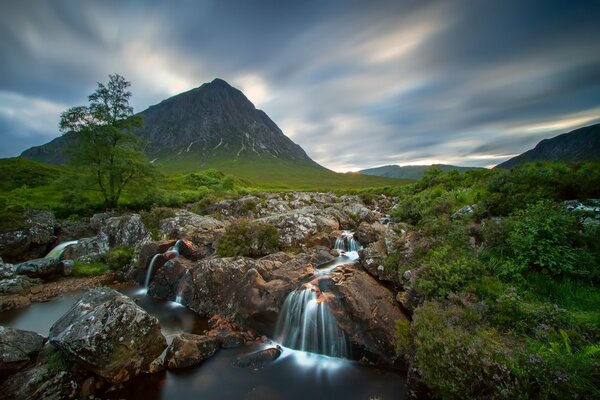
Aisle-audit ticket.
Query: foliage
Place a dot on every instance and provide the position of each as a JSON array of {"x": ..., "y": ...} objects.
[
  {"x": 107, "y": 150},
  {"x": 252, "y": 239},
  {"x": 118, "y": 258},
  {"x": 402, "y": 338},
  {"x": 94, "y": 268},
  {"x": 152, "y": 218}
]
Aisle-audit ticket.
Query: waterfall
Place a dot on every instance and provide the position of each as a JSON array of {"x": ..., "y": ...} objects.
[
  {"x": 58, "y": 251},
  {"x": 181, "y": 287},
  {"x": 171, "y": 252},
  {"x": 306, "y": 324},
  {"x": 346, "y": 242}
]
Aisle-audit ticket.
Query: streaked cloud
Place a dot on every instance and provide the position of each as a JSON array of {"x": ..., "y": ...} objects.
[{"x": 357, "y": 84}]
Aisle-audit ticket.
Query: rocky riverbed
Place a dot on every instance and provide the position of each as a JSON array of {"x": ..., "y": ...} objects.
[{"x": 178, "y": 259}]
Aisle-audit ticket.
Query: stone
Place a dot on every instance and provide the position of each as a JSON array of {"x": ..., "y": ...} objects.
[
  {"x": 33, "y": 240},
  {"x": 188, "y": 350},
  {"x": 106, "y": 333},
  {"x": 86, "y": 249},
  {"x": 68, "y": 266},
  {"x": 44, "y": 268},
  {"x": 17, "y": 349},
  {"x": 202, "y": 230},
  {"x": 20, "y": 284},
  {"x": 258, "y": 359},
  {"x": 126, "y": 230}
]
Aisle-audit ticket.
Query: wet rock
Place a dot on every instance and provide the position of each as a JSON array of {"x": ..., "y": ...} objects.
[
  {"x": 33, "y": 240},
  {"x": 258, "y": 359},
  {"x": 369, "y": 232},
  {"x": 126, "y": 230},
  {"x": 188, "y": 350},
  {"x": 366, "y": 311},
  {"x": 68, "y": 266},
  {"x": 106, "y": 333},
  {"x": 172, "y": 278},
  {"x": 44, "y": 268},
  {"x": 141, "y": 259},
  {"x": 40, "y": 382},
  {"x": 158, "y": 365},
  {"x": 228, "y": 333},
  {"x": 6, "y": 270},
  {"x": 17, "y": 349}
]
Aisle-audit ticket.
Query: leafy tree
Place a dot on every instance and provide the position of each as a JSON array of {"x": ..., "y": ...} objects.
[{"x": 107, "y": 150}]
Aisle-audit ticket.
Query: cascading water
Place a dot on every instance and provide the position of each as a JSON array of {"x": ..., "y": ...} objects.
[
  {"x": 306, "y": 322},
  {"x": 172, "y": 252},
  {"x": 181, "y": 287},
  {"x": 58, "y": 251}
]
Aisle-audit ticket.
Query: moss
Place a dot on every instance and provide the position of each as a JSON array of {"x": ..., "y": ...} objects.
[{"x": 83, "y": 269}]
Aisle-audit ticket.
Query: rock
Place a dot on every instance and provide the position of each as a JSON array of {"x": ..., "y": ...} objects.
[
  {"x": 106, "y": 333},
  {"x": 32, "y": 241},
  {"x": 229, "y": 334},
  {"x": 127, "y": 230},
  {"x": 44, "y": 268},
  {"x": 172, "y": 278},
  {"x": 299, "y": 226},
  {"x": 410, "y": 299},
  {"x": 366, "y": 311},
  {"x": 143, "y": 257},
  {"x": 6, "y": 270},
  {"x": 203, "y": 231},
  {"x": 258, "y": 359},
  {"x": 20, "y": 284},
  {"x": 158, "y": 365},
  {"x": 68, "y": 266},
  {"x": 17, "y": 349},
  {"x": 188, "y": 350},
  {"x": 75, "y": 230},
  {"x": 86, "y": 249},
  {"x": 369, "y": 232},
  {"x": 40, "y": 382},
  {"x": 464, "y": 212}
]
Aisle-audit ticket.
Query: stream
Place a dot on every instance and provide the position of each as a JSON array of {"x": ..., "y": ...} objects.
[{"x": 296, "y": 374}]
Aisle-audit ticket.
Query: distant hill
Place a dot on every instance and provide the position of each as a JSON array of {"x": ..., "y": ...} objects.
[
  {"x": 580, "y": 145},
  {"x": 409, "y": 171},
  {"x": 216, "y": 126}
]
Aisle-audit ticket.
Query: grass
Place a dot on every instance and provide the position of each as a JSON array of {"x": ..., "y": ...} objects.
[{"x": 82, "y": 269}]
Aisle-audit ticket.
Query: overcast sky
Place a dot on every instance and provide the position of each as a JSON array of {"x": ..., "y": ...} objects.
[{"x": 356, "y": 83}]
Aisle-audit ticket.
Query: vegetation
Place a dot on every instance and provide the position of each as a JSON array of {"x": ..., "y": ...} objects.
[
  {"x": 509, "y": 288},
  {"x": 84, "y": 269},
  {"x": 108, "y": 153},
  {"x": 250, "y": 239}
]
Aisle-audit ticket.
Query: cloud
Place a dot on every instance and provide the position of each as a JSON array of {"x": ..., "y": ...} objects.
[{"x": 356, "y": 84}]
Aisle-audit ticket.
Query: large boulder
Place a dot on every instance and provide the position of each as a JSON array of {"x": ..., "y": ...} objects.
[
  {"x": 17, "y": 349},
  {"x": 297, "y": 227},
  {"x": 188, "y": 350},
  {"x": 366, "y": 311},
  {"x": 172, "y": 278},
  {"x": 33, "y": 239},
  {"x": 86, "y": 249},
  {"x": 126, "y": 230},
  {"x": 202, "y": 230},
  {"x": 144, "y": 255},
  {"x": 43, "y": 268},
  {"x": 106, "y": 333}
]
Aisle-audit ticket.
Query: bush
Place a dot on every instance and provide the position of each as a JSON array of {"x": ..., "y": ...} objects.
[
  {"x": 541, "y": 238},
  {"x": 118, "y": 258},
  {"x": 445, "y": 271},
  {"x": 402, "y": 339},
  {"x": 251, "y": 239},
  {"x": 152, "y": 218}
]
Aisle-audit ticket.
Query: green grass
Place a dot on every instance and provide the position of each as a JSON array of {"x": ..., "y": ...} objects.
[{"x": 82, "y": 269}]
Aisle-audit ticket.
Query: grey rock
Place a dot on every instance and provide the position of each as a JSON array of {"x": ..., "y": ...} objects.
[
  {"x": 18, "y": 348},
  {"x": 32, "y": 241},
  {"x": 44, "y": 268},
  {"x": 188, "y": 350},
  {"x": 258, "y": 359},
  {"x": 126, "y": 230},
  {"x": 106, "y": 333}
]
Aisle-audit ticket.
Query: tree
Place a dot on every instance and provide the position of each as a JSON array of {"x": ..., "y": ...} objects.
[{"x": 107, "y": 150}]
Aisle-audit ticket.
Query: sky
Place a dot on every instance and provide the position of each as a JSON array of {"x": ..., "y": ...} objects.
[{"x": 357, "y": 84}]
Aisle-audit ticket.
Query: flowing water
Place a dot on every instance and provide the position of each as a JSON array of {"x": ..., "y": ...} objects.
[
  {"x": 296, "y": 374},
  {"x": 173, "y": 251},
  {"x": 58, "y": 251}
]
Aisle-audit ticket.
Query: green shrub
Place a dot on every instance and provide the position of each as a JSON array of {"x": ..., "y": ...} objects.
[
  {"x": 152, "y": 218},
  {"x": 541, "y": 238},
  {"x": 251, "y": 239},
  {"x": 402, "y": 338},
  {"x": 118, "y": 258},
  {"x": 83, "y": 269},
  {"x": 445, "y": 271}
]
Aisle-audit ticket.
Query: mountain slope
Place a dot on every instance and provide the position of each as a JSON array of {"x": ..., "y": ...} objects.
[
  {"x": 216, "y": 126},
  {"x": 580, "y": 145},
  {"x": 409, "y": 171}
]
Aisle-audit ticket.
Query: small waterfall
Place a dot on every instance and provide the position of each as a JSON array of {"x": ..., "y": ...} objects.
[
  {"x": 58, "y": 250},
  {"x": 171, "y": 252},
  {"x": 181, "y": 287},
  {"x": 306, "y": 324},
  {"x": 150, "y": 270},
  {"x": 346, "y": 242}
]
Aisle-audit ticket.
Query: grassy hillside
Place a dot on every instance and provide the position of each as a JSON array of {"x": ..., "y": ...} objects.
[
  {"x": 411, "y": 171},
  {"x": 274, "y": 173}
]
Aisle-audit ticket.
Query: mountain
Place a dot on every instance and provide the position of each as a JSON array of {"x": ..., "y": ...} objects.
[
  {"x": 216, "y": 126},
  {"x": 409, "y": 171},
  {"x": 580, "y": 145}
]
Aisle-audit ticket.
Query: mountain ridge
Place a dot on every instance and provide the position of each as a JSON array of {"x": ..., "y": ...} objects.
[
  {"x": 409, "y": 171},
  {"x": 579, "y": 145}
]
